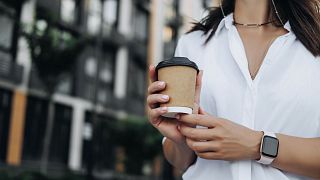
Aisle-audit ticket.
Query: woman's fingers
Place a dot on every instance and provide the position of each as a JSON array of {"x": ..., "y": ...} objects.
[
  {"x": 210, "y": 155},
  {"x": 156, "y": 113},
  {"x": 155, "y": 99},
  {"x": 198, "y": 119},
  {"x": 203, "y": 146},
  {"x": 156, "y": 87},
  {"x": 198, "y": 87},
  {"x": 196, "y": 108},
  {"x": 152, "y": 73},
  {"x": 197, "y": 133}
]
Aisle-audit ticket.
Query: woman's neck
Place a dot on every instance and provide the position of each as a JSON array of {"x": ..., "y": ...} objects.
[{"x": 251, "y": 11}]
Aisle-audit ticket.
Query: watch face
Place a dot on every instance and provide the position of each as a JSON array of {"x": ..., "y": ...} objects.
[{"x": 270, "y": 146}]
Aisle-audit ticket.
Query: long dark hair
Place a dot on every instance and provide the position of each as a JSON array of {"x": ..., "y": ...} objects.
[{"x": 303, "y": 15}]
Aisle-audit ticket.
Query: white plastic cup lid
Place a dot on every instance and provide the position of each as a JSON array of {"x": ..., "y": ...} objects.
[{"x": 173, "y": 111}]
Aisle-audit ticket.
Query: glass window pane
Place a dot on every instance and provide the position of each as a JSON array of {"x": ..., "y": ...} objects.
[
  {"x": 140, "y": 25},
  {"x": 110, "y": 8},
  {"x": 68, "y": 10},
  {"x": 59, "y": 146},
  {"x": 94, "y": 17},
  {"x": 95, "y": 6},
  {"x": 91, "y": 67},
  {"x": 65, "y": 84},
  {"x": 6, "y": 29},
  {"x": 94, "y": 22},
  {"x": 137, "y": 80},
  {"x": 106, "y": 69},
  {"x": 36, "y": 120},
  {"x": 102, "y": 95},
  {"x": 5, "y": 111}
]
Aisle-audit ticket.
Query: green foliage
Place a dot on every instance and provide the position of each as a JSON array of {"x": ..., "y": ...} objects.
[
  {"x": 140, "y": 140},
  {"x": 137, "y": 133},
  {"x": 4, "y": 175},
  {"x": 53, "y": 51},
  {"x": 142, "y": 143}
]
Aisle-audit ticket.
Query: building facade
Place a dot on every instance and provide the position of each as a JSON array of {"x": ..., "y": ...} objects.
[{"x": 107, "y": 79}]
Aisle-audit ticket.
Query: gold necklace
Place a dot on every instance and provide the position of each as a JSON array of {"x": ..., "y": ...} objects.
[{"x": 252, "y": 25}]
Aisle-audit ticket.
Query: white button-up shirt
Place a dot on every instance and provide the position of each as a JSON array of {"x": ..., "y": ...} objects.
[{"x": 283, "y": 98}]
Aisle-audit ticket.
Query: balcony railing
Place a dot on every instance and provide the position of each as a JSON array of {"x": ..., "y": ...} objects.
[{"x": 10, "y": 71}]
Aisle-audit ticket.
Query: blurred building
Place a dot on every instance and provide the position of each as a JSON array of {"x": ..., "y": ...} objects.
[{"x": 108, "y": 76}]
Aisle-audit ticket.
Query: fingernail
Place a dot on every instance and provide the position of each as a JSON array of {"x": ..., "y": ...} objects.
[
  {"x": 177, "y": 116},
  {"x": 165, "y": 97},
  {"x": 161, "y": 83},
  {"x": 150, "y": 67}
]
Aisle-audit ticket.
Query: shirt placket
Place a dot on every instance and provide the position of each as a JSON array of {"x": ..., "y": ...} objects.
[
  {"x": 248, "y": 121},
  {"x": 238, "y": 53}
]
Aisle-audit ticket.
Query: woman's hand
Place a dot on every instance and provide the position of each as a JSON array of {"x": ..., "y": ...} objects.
[
  {"x": 167, "y": 127},
  {"x": 221, "y": 139}
]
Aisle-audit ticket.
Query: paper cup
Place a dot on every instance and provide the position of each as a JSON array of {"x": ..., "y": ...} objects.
[{"x": 179, "y": 74}]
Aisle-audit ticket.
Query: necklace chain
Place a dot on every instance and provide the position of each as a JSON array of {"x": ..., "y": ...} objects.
[{"x": 251, "y": 25}]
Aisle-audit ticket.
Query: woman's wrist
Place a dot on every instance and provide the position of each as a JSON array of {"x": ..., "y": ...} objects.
[
  {"x": 180, "y": 145},
  {"x": 182, "y": 155},
  {"x": 256, "y": 141}
]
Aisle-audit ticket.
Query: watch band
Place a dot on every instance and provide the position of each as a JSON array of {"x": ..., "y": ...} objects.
[{"x": 264, "y": 159}]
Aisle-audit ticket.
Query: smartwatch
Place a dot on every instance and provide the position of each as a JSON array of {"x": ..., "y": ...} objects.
[{"x": 269, "y": 148}]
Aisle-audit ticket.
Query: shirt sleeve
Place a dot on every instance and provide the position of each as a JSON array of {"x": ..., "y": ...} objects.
[
  {"x": 190, "y": 46},
  {"x": 179, "y": 49}
]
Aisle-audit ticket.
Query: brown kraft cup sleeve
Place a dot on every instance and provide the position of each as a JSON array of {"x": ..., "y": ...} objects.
[{"x": 180, "y": 85}]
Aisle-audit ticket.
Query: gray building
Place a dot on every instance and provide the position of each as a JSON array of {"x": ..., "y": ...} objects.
[{"x": 105, "y": 79}]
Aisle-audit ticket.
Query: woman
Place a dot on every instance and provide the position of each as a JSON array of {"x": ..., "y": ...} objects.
[{"x": 259, "y": 100}]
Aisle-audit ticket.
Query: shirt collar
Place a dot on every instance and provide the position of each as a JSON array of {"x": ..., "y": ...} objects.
[
  {"x": 227, "y": 23},
  {"x": 287, "y": 26}
]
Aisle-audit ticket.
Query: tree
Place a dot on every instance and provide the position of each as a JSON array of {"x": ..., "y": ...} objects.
[{"x": 53, "y": 53}]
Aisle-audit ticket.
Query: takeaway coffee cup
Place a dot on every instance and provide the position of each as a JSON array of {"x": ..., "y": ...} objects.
[{"x": 179, "y": 74}]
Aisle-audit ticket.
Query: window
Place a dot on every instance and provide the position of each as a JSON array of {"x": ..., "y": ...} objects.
[
  {"x": 106, "y": 68},
  {"x": 68, "y": 11},
  {"x": 89, "y": 70},
  {"x": 104, "y": 148},
  {"x": 5, "y": 111},
  {"x": 59, "y": 146},
  {"x": 110, "y": 12},
  {"x": 6, "y": 30},
  {"x": 94, "y": 17},
  {"x": 170, "y": 30},
  {"x": 141, "y": 24},
  {"x": 35, "y": 125},
  {"x": 137, "y": 80},
  {"x": 7, "y": 18},
  {"x": 105, "y": 91},
  {"x": 64, "y": 85},
  {"x": 90, "y": 66}
]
